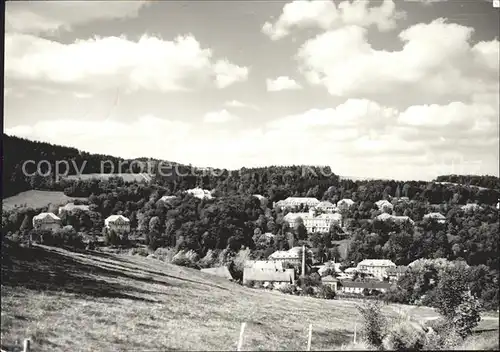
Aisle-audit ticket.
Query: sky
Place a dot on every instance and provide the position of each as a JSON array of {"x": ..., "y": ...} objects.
[{"x": 377, "y": 89}]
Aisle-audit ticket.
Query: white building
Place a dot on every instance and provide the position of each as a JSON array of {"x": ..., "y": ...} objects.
[
  {"x": 397, "y": 219},
  {"x": 117, "y": 223},
  {"x": 326, "y": 207},
  {"x": 440, "y": 218},
  {"x": 384, "y": 205},
  {"x": 167, "y": 199},
  {"x": 292, "y": 202},
  {"x": 70, "y": 207},
  {"x": 471, "y": 207},
  {"x": 376, "y": 267},
  {"x": 345, "y": 204},
  {"x": 200, "y": 193},
  {"x": 47, "y": 221},
  {"x": 314, "y": 222},
  {"x": 292, "y": 256},
  {"x": 264, "y": 264}
]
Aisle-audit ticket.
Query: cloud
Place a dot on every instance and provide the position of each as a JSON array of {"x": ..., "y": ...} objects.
[
  {"x": 37, "y": 17},
  {"x": 325, "y": 15},
  {"x": 149, "y": 63},
  {"x": 436, "y": 61},
  {"x": 227, "y": 73},
  {"x": 239, "y": 104},
  {"x": 219, "y": 117},
  {"x": 282, "y": 83}
]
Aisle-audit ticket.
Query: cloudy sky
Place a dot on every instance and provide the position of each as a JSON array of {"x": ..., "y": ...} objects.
[{"x": 393, "y": 89}]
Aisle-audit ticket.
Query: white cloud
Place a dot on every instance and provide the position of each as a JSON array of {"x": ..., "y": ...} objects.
[
  {"x": 50, "y": 16},
  {"x": 239, "y": 104},
  {"x": 324, "y": 15},
  {"x": 82, "y": 95},
  {"x": 282, "y": 83},
  {"x": 437, "y": 61},
  {"x": 219, "y": 117},
  {"x": 227, "y": 73},
  {"x": 150, "y": 63}
]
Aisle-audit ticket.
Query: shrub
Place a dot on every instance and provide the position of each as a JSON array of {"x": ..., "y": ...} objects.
[
  {"x": 287, "y": 288},
  {"x": 373, "y": 322},
  {"x": 250, "y": 283},
  {"x": 257, "y": 284},
  {"x": 208, "y": 260},
  {"x": 404, "y": 336},
  {"x": 143, "y": 252},
  {"x": 187, "y": 259},
  {"x": 442, "y": 336},
  {"x": 164, "y": 254},
  {"x": 326, "y": 292},
  {"x": 307, "y": 291},
  {"x": 466, "y": 315}
]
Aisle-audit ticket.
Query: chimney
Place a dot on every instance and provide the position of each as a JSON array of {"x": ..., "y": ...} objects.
[{"x": 303, "y": 261}]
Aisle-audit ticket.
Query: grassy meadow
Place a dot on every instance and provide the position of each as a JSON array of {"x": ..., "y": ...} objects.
[
  {"x": 65, "y": 301},
  {"x": 36, "y": 199}
]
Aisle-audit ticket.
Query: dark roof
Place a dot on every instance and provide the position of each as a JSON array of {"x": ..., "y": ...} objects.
[{"x": 366, "y": 284}]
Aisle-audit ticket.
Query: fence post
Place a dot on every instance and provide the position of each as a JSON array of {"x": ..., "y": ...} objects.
[
  {"x": 26, "y": 347},
  {"x": 240, "y": 342},
  {"x": 309, "y": 338}
]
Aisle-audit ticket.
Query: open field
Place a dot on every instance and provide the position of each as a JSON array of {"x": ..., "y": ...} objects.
[
  {"x": 37, "y": 199},
  {"x": 140, "y": 177},
  {"x": 66, "y": 301}
]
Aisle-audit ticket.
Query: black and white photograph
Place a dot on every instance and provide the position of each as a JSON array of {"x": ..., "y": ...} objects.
[{"x": 250, "y": 175}]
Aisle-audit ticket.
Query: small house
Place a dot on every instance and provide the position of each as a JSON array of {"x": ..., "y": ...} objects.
[
  {"x": 47, "y": 221},
  {"x": 361, "y": 287},
  {"x": 270, "y": 276},
  {"x": 71, "y": 207},
  {"x": 330, "y": 281},
  {"x": 117, "y": 223}
]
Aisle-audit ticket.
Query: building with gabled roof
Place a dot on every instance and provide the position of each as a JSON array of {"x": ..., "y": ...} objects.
[
  {"x": 384, "y": 205},
  {"x": 293, "y": 202},
  {"x": 376, "y": 267},
  {"x": 47, "y": 221},
  {"x": 395, "y": 218},
  {"x": 313, "y": 221},
  {"x": 357, "y": 287},
  {"x": 345, "y": 203},
  {"x": 440, "y": 218},
  {"x": 271, "y": 276},
  {"x": 117, "y": 223},
  {"x": 330, "y": 281},
  {"x": 326, "y": 207},
  {"x": 70, "y": 207}
]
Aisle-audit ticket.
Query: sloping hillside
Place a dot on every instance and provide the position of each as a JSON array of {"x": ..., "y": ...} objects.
[
  {"x": 95, "y": 301},
  {"x": 36, "y": 199}
]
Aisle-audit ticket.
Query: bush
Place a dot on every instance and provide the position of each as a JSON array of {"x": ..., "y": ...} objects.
[
  {"x": 187, "y": 259},
  {"x": 250, "y": 283},
  {"x": 208, "y": 260},
  {"x": 307, "y": 291},
  {"x": 164, "y": 254},
  {"x": 287, "y": 288},
  {"x": 143, "y": 252},
  {"x": 373, "y": 322},
  {"x": 442, "y": 336},
  {"x": 326, "y": 292},
  {"x": 404, "y": 336},
  {"x": 466, "y": 315}
]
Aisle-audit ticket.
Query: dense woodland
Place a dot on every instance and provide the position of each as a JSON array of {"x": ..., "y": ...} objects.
[{"x": 235, "y": 219}]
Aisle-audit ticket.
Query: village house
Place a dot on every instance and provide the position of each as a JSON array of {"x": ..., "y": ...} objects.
[
  {"x": 384, "y": 206},
  {"x": 292, "y": 256},
  {"x": 294, "y": 202},
  {"x": 47, "y": 221},
  {"x": 326, "y": 207},
  {"x": 345, "y": 204},
  {"x": 376, "y": 267},
  {"x": 397, "y": 219},
  {"x": 117, "y": 223},
  {"x": 330, "y": 281},
  {"x": 440, "y": 218},
  {"x": 327, "y": 266},
  {"x": 70, "y": 207},
  {"x": 264, "y": 264},
  {"x": 394, "y": 273},
  {"x": 359, "y": 287},
  {"x": 200, "y": 193},
  {"x": 221, "y": 271},
  {"x": 268, "y": 277},
  {"x": 313, "y": 221}
]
